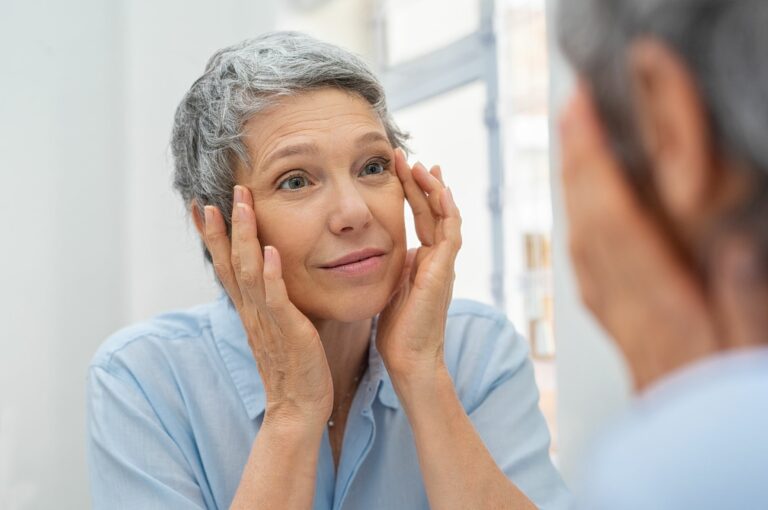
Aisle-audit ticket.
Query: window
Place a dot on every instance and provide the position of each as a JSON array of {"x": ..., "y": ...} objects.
[{"x": 470, "y": 85}]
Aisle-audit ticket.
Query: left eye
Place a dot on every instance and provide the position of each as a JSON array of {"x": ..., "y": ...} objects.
[
  {"x": 374, "y": 168},
  {"x": 294, "y": 182}
]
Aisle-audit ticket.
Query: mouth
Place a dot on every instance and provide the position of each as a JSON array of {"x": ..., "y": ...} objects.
[
  {"x": 356, "y": 263},
  {"x": 354, "y": 258}
]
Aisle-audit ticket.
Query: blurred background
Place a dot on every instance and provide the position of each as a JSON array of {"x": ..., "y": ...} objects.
[{"x": 95, "y": 239}]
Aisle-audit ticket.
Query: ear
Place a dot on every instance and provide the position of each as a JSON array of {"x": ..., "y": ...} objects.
[
  {"x": 198, "y": 219},
  {"x": 674, "y": 130}
]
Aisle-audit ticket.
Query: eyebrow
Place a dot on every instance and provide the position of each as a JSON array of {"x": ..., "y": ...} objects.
[{"x": 310, "y": 148}]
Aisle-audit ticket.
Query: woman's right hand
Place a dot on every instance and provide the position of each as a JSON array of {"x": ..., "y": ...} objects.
[{"x": 286, "y": 345}]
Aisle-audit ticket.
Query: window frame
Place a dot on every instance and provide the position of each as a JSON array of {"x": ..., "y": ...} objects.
[{"x": 467, "y": 60}]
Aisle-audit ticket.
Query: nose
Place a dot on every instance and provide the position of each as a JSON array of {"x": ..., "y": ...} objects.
[{"x": 350, "y": 212}]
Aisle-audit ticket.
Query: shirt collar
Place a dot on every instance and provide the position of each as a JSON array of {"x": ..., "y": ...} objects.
[{"x": 232, "y": 344}]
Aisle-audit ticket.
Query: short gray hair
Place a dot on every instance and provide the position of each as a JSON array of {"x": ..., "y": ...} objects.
[
  {"x": 239, "y": 82},
  {"x": 724, "y": 43}
]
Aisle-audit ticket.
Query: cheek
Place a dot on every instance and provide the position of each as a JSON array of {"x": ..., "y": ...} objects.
[
  {"x": 291, "y": 231},
  {"x": 387, "y": 207}
]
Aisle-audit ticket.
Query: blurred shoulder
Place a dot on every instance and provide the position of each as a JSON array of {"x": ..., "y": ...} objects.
[
  {"x": 703, "y": 421},
  {"x": 476, "y": 326}
]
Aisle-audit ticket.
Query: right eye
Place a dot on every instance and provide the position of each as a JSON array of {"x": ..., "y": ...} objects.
[{"x": 293, "y": 182}]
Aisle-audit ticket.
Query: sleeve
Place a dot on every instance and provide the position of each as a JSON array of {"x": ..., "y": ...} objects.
[
  {"x": 504, "y": 407},
  {"x": 134, "y": 462}
]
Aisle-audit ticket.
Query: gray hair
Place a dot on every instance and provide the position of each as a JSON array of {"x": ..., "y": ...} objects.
[
  {"x": 239, "y": 82},
  {"x": 724, "y": 43}
]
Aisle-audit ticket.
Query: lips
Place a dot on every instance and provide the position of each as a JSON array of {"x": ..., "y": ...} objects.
[{"x": 355, "y": 256}]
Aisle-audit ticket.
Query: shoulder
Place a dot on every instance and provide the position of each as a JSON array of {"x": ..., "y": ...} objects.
[
  {"x": 476, "y": 329},
  {"x": 706, "y": 423},
  {"x": 483, "y": 348},
  {"x": 153, "y": 339}
]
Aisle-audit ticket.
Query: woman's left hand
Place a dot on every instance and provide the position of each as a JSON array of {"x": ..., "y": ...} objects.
[{"x": 411, "y": 328}]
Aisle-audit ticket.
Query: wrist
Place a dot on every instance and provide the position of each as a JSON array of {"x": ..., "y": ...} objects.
[
  {"x": 294, "y": 423},
  {"x": 407, "y": 364},
  {"x": 422, "y": 383}
]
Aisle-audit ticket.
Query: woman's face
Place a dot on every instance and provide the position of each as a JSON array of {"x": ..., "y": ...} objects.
[{"x": 326, "y": 194}]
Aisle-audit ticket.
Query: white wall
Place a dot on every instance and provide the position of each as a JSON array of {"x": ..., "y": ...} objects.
[
  {"x": 62, "y": 178},
  {"x": 591, "y": 379},
  {"x": 93, "y": 238},
  {"x": 167, "y": 45},
  {"x": 346, "y": 23}
]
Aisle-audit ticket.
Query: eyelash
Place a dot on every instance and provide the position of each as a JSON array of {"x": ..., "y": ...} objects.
[{"x": 385, "y": 164}]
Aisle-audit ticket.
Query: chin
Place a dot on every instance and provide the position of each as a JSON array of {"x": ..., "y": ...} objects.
[
  {"x": 351, "y": 306},
  {"x": 358, "y": 307}
]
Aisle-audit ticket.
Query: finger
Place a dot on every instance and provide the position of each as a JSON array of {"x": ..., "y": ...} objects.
[
  {"x": 422, "y": 213},
  {"x": 450, "y": 226},
  {"x": 218, "y": 244},
  {"x": 438, "y": 173},
  {"x": 275, "y": 293},
  {"x": 433, "y": 278},
  {"x": 448, "y": 243},
  {"x": 246, "y": 251},
  {"x": 409, "y": 266},
  {"x": 431, "y": 186}
]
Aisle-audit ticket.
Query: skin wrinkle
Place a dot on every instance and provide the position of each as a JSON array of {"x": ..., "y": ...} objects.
[
  {"x": 246, "y": 80},
  {"x": 333, "y": 121},
  {"x": 308, "y": 148}
]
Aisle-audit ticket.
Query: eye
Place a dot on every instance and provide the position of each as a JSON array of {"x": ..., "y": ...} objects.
[
  {"x": 294, "y": 182},
  {"x": 374, "y": 168}
]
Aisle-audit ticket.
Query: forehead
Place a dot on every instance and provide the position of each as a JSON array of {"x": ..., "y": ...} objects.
[{"x": 325, "y": 113}]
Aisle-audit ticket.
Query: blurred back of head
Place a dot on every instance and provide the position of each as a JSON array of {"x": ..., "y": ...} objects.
[{"x": 723, "y": 44}]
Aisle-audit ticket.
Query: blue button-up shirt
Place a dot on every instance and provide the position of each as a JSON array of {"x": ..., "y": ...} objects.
[
  {"x": 174, "y": 405},
  {"x": 698, "y": 439}
]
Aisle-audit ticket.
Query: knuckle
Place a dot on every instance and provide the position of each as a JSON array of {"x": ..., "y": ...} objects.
[
  {"x": 221, "y": 269},
  {"x": 272, "y": 301},
  {"x": 251, "y": 323},
  {"x": 236, "y": 261},
  {"x": 248, "y": 277},
  {"x": 458, "y": 242},
  {"x": 214, "y": 237}
]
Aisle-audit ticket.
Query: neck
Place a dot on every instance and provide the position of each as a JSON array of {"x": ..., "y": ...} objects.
[{"x": 346, "y": 349}]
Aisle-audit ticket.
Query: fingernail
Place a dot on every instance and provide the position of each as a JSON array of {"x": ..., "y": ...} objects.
[
  {"x": 239, "y": 195},
  {"x": 241, "y": 212},
  {"x": 269, "y": 256}
]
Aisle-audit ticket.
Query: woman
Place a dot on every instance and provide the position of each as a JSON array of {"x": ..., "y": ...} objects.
[{"x": 332, "y": 373}]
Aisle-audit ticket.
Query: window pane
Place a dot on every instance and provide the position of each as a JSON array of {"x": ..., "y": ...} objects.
[
  {"x": 461, "y": 150},
  {"x": 523, "y": 71},
  {"x": 417, "y": 27}
]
